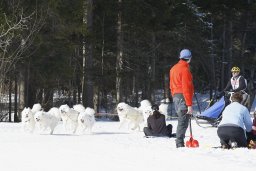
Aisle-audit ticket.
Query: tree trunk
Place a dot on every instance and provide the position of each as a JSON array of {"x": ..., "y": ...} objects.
[
  {"x": 212, "y": 82},
  {"x": 10, "y": 100},
  {"x": 230, "y": 44},
  {"x": 21, "y": 92},
  {"x": 223, "y": 56},
  {"x": 96, "y": 99},
  {"x": 135, "y": 90},
  {"x": 84, "y": 50},
  {"x": 88, "y": 61},
  {"x": 48, "y": 99},
  {"x": 166, "y": 86},
  {"x": 119, "y": 60},
  {"x": 75, "y": 96},
  {"x": 16, "y": 117},
  {"x": 251, "y": 88},
  {"x": 153, "y": 68}
]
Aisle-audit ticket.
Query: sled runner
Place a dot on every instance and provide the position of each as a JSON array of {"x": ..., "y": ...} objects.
[{"x": 151, "y": 136}]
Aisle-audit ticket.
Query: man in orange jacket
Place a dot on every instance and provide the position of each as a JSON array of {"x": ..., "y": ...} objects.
[{"x": 182, "y": 89}]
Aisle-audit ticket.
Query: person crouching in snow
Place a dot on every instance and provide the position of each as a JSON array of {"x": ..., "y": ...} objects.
[
  {"x": 235, "y": 121},
  {"x": 157, "y": 124}
]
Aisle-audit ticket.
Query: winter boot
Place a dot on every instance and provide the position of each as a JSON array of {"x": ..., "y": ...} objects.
[{"x": 233, "y": 144}]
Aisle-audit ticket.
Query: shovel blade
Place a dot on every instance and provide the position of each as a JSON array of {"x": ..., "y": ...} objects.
[{"x": 191, "y": 143}]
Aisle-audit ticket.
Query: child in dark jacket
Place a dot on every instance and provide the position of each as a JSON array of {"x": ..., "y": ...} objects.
[{"x": 157, "y": 125}]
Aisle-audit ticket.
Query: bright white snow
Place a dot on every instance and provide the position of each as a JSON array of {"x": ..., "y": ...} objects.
[{"x": 111, "y": 149}]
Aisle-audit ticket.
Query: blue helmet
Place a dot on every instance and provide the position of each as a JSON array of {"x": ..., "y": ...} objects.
[{"x": 185, "y": 54}]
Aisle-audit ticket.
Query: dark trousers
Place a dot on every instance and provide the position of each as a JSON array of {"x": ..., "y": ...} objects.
[
  {"x": 229, "y": 134},
  {"x": 183, "y": 118},
  {"x": 149, "y": 132},
  {"x": 169, "y": 130}
]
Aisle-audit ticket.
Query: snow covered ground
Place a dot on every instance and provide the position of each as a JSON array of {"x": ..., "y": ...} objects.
[{"x": 111, "y": 149}]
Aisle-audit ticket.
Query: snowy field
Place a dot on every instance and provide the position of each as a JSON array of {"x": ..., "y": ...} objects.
[{"x": 111, "y": 149}]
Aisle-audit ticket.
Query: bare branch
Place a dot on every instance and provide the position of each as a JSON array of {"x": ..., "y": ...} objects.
[{"x": 17, "y": 34}]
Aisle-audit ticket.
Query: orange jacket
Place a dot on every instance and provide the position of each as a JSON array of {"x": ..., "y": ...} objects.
[{"x": 181, "y": 81}]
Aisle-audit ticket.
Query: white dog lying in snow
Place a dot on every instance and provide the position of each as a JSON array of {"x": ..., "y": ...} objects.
[
  {"x": 86, "y": 120},
  {"x": 69, "y": 117},
  {"x": 129, "y": 114},
  {"x": 46, "y": 120}
]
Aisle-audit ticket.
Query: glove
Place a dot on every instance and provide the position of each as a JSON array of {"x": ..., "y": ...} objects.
[{"x": 219, "y": 95}]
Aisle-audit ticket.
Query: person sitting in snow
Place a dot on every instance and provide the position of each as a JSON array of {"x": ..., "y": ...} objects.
[
  {"x": 235, "y": 118},
  {"x": 157, "y": 124}
]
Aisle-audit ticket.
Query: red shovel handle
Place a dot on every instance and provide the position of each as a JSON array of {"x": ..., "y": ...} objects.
[
  {"x": 190, "y": 128},
  {"x": 191, "y": 142}
]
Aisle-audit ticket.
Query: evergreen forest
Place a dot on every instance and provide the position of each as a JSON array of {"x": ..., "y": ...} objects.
[{"x": 102, "y": 52}]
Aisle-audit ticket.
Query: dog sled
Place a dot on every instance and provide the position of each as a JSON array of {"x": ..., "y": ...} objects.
[{"x": 212, "y": 115}]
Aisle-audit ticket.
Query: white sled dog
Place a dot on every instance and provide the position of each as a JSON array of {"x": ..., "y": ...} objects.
[
  {"x": 79, "y": 107},
  {"x": 163, "y": 108},
  {"x": 27, "y": 119},
  {"x": 144, "y": 103},
  {"x": 86, "y": 120},
  {"x": 69, "y": 118},
  {"x": 130, "y": 115},
  {"x": 36, "y": 107},
  {"x": 55, "y": 111},
  {"x": 147, "y": 111},
  {"x": 145, "y": 108},
  {"x": 46, "y": 121}
]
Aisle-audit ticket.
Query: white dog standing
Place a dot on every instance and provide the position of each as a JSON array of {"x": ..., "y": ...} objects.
[
  {"x": 27, "y": 117},
  {"x": 36, "y": 107},
  {"x": 130, "y": 115},
  {"x": 163, "y": 109},
  {"x": 55, "y": 111},
  {"x": 147, "y": 111},
  {"x": 145, "y": 108},
  {"x": 69, "y": 117},
  {"x": 144, "y": 103},
  {"x": 45, "y": 121},
  {"x": 79, "y": 107},
  {"x": 86, "y": 120}
]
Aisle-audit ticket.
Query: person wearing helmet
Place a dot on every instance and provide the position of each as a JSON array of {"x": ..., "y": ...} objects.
[
  {"x": 182, "y": 90},
  {"x": 157, "y": 124},
  {"x": 237, "y": 83}
]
